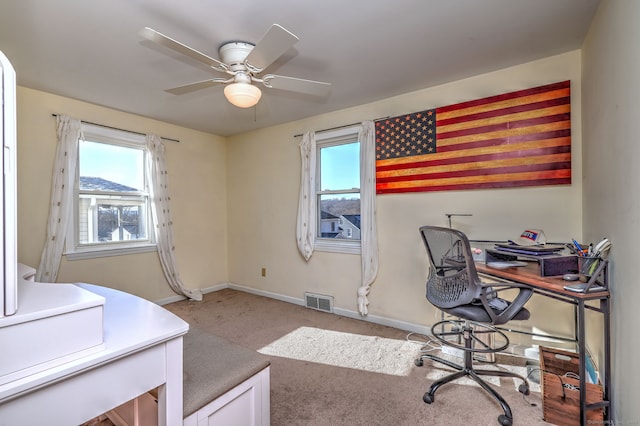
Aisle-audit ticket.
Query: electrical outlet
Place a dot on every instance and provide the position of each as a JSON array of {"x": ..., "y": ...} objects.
[{"x": 264, "y": 272}]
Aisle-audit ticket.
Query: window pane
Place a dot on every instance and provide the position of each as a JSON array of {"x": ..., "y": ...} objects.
[
  {"x": 339, "y": 216},
  {"x": 109, "y": 219},
  {"x": 105, "y": 167},
  {"x": 340, "y": 167},
  {"x": 120, "y": 223}
]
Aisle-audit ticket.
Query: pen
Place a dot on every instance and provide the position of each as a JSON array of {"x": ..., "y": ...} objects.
[{"x": 575, "y": 243}]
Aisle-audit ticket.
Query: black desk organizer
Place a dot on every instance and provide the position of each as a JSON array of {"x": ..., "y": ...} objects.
[{"x": 550, "y": 265}]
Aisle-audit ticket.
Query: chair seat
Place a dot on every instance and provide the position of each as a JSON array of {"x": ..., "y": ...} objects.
[{"x": 478, "y": 313}]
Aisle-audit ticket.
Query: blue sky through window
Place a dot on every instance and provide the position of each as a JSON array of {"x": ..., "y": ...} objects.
[
  {"x": 337, "y": 169},
  {"x": 111, "y": 162}
]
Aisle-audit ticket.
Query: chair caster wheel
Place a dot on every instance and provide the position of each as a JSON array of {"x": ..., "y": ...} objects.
[
  {"x": 419, "y": 362},
  {"x": 428, "y": 398},
  {"x": 524, "y": 389},
  {"x": 504, "y": 420}
]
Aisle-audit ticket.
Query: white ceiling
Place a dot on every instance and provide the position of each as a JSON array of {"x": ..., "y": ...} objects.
[{"x": 369, "y": 50}]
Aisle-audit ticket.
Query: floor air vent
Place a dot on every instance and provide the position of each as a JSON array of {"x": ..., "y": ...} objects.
[{"x": 318, "y": 302}]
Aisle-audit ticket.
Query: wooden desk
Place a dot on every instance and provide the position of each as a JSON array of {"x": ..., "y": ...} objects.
[
  {"x": 554, "y": 287},
  {"x": 142, "y": 351}
]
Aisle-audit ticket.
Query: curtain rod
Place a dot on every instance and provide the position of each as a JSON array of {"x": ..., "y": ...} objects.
[
  {"x": 341, "y": 127},
  {"x": 122, "y": 130}
]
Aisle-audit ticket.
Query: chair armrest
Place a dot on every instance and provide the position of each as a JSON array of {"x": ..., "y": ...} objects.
[{"x": 524, "y": 294}]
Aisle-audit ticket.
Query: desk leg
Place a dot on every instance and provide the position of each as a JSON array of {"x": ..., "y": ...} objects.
[
  {"x": 604, "y": 307},
  {"x": 580, "y": 324},
  {"x": 170, "y": 397},
  {"x": 582, "y": 362}
]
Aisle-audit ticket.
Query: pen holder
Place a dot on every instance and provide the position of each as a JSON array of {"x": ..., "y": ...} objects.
[{"x": 588, "y": 265}]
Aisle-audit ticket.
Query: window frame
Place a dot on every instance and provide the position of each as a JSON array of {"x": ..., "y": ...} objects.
[
  {"x": 336, "y": 137},
  {"x": 75, "y": 250}
]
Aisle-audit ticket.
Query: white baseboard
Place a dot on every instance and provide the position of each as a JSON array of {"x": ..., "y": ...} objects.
[
  {"x": 178, "y": 298},
  {"x": 283, "y": 298},
  {"x": 389, "y": 322},
  {"x": 168, "y": 300}
]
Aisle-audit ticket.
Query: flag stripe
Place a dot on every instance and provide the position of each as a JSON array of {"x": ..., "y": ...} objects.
[
  {"x": 451, "y": 157},
  {"x": 496, "y": 180},
  {"x": 563, "y": 135},
  {"x": 475, "y": 165},
  {"x": 444, "y": 120},
  {"x": 446, "y": 126},
  {"x": 482, "y": 185},
  {"x": 495, "y": 108},
  {"x": 506, "y": 126},
  {"x": 521, "y": 138},
  {"x": 504, "y": 133},
  {"x": 502, "y": 176},
  {"x": 479, "y": 179},
  {"x": 543, "y": 92}
]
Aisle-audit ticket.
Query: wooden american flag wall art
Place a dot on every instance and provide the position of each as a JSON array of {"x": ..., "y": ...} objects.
[{"x": 515, "y": 139}]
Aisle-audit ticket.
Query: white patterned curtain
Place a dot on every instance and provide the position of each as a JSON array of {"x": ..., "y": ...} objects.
[
  {"x": 369, "y": 233},
  {"x": 156, "y": 171},
  {"x": 306, "y": 223},
  {"x": 60, "y": 209}
]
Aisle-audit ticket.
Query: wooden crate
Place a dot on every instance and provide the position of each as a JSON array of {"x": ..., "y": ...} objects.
[{"x": 563, "y": 408}]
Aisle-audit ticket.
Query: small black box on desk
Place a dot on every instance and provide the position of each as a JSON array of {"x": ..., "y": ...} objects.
[{"x": 550, "y": 265}]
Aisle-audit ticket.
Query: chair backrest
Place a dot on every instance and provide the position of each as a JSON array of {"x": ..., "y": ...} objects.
[{"x": 453, "y": 279}]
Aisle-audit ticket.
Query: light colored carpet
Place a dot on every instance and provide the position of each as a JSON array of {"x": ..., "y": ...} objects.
[
  {"x": 308, "y": 393},
  {"x": 348, "y": 350}
]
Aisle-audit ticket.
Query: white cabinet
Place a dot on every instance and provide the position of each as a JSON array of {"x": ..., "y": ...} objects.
[
  {"x": 141, "y": 350},
  {"x": 245, "y": 405}
]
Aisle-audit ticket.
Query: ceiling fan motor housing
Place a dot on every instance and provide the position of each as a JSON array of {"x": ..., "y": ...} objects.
[{"x": 234, "y": 53}]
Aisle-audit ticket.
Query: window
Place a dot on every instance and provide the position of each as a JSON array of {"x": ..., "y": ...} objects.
[
  {"x": 111, "y": 209},
  {"x": 338, "y": 191}
]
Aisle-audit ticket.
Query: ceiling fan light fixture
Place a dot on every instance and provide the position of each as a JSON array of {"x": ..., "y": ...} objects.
[{"x": 242, "y": 95}]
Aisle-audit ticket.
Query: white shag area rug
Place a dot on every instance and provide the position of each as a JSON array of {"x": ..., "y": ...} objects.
[
  {"x": 368, "y": 353},
  {"x": 441, "y": 370}
]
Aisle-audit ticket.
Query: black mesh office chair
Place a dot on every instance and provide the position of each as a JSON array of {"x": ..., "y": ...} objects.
[{"x": 454, "y": 287}]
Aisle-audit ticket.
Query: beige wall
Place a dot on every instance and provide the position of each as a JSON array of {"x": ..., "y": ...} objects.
[
  {"x": 611, "y": 66},
  {"x": 197, "y": 179},
  {"x": 264, "y": 174}
]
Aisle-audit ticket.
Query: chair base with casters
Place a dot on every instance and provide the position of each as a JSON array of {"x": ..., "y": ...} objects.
[{"x": 467, "y": 336}]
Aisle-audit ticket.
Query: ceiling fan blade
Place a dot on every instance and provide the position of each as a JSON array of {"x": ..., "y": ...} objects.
[
  {"x": 273, "y": 44},
  {"x": 161, "y": 39},
  {"x": 187, "y": 88},
  {"x": 310, "y": 87}
]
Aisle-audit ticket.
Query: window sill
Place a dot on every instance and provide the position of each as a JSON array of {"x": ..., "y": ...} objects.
[
  {"x": 96, "y": 252},
  {"x": 340, "y": 246}
]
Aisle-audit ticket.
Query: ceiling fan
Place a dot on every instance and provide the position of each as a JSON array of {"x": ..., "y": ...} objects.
[{"x": 244, "y": 62}]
